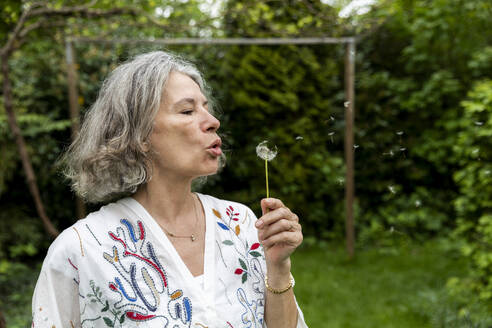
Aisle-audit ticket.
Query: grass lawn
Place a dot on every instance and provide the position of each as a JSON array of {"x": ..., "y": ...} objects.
[{"x": 377, "y": 289}]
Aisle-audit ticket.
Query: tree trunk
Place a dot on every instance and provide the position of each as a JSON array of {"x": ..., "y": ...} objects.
[
  {"x": 3, "y": 324},
  {"x": 73, "y": 97},
  {"x": 21, "y": 145}
]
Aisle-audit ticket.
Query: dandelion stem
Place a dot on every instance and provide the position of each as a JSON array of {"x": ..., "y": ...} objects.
[{"x": 266, "y": 176}]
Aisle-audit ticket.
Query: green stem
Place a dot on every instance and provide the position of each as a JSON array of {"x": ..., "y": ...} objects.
[{"x": 266, "y": 176}]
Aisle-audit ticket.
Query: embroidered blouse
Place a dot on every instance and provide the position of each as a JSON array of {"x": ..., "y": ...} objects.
[{"x": 117, "y": 268}]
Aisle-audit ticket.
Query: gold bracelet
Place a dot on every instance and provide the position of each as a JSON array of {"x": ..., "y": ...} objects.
[{"x": 292, "y": 282}]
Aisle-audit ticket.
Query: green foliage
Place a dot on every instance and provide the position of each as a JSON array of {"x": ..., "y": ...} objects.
[
  {"x": 474, "y": 177},
  {"x": 17, "y": 280}
]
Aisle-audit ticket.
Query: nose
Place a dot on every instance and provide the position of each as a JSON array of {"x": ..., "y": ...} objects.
[{"x": 211, "y": 123}]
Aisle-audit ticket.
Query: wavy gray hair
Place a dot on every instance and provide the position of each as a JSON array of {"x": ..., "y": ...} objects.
[{"x": 111, "y": 156}]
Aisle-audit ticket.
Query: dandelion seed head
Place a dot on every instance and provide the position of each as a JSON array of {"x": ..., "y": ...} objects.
[
  {"x": 418, "y": 203},
  {"x": 264, "y": 152},
  {"x": 392, "y": 189}
]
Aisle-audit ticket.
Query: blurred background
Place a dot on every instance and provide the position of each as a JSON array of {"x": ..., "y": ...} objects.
[{"x": 423, "y": 140}]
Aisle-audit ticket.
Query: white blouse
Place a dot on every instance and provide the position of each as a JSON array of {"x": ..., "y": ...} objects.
[{"x": 117, "y": 268}]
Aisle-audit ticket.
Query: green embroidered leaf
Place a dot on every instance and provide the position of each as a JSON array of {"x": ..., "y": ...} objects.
[
  {"x": 122, "y": 318},
  {"x": 100, "y": 294},
  {"x": 227, "y": 242},
  {"x": 93, "y": 300},
  {"x": 97, "y": 289},
  {"x": 106, "y": 307},
  {"x": 90, "y": 295},
  {"x": 244, "y": 277},
  {"x": 255, "y": 253},
  {"x": 108, "y": 322},
  {"x": 243, "y": 265}
]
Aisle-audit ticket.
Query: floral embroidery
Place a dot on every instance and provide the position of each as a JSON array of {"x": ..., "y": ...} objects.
[
  {"x": 250, "y": 251},
  {"x": 252, "y": 310},
  {"x": 247, "y": 266},
  {"x": 140, "y": 281}
]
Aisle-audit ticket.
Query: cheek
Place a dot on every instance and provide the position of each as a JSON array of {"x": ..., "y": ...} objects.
[{"x": 174, "y": 135}]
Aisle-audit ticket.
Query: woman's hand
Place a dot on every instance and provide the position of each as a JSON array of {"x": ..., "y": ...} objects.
[{"x": 279, "y": 232}]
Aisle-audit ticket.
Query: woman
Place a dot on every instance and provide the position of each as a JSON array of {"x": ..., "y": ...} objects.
[{"x": 161, "y": 255}]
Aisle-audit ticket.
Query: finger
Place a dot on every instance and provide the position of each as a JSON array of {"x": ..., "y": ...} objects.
[
  {"x": 292, "y": 239},
  {"x": 273, "y": 216},
  {"x": 269, "y": 204},
  {"x": 277, "y": 227}
]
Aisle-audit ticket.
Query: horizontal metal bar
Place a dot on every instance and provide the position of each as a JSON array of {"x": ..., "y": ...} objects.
[{"x": 221, "y": 41}]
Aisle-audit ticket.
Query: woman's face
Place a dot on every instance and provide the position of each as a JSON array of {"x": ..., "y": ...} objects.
[{"x": 185, "y": 133}]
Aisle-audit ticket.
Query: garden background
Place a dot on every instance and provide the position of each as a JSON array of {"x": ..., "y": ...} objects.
[{"x": 423, "y": 134}]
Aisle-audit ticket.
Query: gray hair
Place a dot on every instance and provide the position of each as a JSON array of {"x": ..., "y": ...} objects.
[{"x": 111, "y": 156}]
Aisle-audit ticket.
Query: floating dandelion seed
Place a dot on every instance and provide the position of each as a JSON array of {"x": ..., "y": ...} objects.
[
  {"x": 392, "y": 189},
  {"x": 392, "y": 229},
  {"x": 487, "y": 172},
  {"x": 340, "y": 181},
  {"x": 389, "y": 153},
  {"x": 346, "y": 104},
  {"x": 400, "y": 133},
  {"x": 418, "y": 203},
  {"x": 266, "y": 154},
  {"x": 356, "y": 146},
  {"x": 299, "y": 138},
  {"x": 478, "y": 123},
  {"x": 332, "y": 118},
  {"x": 475, "y": 151},
  {"x": 402, "y": 149},
  {"x": 331, "y": 136}
]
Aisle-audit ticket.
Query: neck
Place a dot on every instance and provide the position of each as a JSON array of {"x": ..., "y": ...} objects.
[{"x": 169, "y": 200}]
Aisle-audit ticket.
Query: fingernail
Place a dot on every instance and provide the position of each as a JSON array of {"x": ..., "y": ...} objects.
[{"x": 259, "y": 223}]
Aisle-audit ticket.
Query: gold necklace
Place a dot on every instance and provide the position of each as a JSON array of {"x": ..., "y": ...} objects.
[{"x": 192, "y": 236}]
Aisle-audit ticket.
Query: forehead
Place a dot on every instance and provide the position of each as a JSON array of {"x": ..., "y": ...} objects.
[{"x": 180, "y": 86}]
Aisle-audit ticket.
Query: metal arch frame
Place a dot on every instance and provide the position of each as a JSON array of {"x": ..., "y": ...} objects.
[{"x": 350, "y": 51}]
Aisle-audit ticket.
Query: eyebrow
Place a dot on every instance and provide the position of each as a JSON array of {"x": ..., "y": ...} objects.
[{"x": 185, "y": 101}]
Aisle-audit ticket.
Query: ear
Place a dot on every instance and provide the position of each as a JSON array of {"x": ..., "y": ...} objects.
[{"x": 146, "y": 146}]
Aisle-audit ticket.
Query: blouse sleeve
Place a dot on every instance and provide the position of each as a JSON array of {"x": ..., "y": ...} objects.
[
  {"x": 55, "y": 302},
  {"x": 301, "y": 323}
]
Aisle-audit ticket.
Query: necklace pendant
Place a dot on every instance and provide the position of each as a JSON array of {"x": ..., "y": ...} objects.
[{"x": 192, "y": 237}]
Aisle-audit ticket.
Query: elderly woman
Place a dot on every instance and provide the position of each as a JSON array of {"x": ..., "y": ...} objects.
[{"x": 162, "y": 255}]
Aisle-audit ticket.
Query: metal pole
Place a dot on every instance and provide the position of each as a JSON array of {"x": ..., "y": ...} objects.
[
  {"x": 222, "y": 41},
  {"x": 349, "y": 146},
  {"x": 73, "y": 98}
]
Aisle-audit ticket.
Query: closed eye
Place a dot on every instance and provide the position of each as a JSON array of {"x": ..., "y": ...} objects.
[{"x": 187, "y": 112}]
